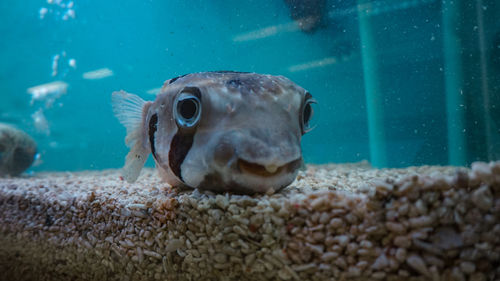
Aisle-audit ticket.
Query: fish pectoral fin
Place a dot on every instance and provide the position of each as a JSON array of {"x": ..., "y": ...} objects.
[
  {"x": 129, "y": 109},
  {"x": 134, "y": 162}
]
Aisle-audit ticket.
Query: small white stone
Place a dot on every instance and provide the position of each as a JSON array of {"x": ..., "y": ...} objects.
[
  {"x": 482, "y": 198},
  {"x": 417, "y": 263}
]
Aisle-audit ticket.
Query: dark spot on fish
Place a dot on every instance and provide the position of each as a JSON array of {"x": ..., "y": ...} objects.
[
  {"x": 175, "y": 78},
  {"x": 308, "y": 96},
  {"x": 152, "y": 130},
  {"x": 245, "y": 84},
  {"x": 48, "y": 220},
  {"x": 234, "y": 83},
  {"x": 179, "y": 148}
]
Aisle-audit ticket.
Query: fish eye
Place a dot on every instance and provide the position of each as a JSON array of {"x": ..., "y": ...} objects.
[
  {"x": 306, "y": 114},
  {"x": 187, "y": 110}
]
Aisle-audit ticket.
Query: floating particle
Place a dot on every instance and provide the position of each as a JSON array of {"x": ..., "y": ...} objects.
[
  {"x": 55, "y": 60},
  {"x": 266, "y": 32},
  {"x": 40, "y": 122},
  {"x": 47, "y": 92},
  {"x": 313, "y": 64},
  {"x": 61, "y": 69},
  {"x": 60, "y": 9},
  {"x": 70, "y": 13},
  {"x": 72, "y": 63},
  {"x": 98, "y": 74},
  {"x": 53, "y": 144},
  {"x": 42, "y": 12}
]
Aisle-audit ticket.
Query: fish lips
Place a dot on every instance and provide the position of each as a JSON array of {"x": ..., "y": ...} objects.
[
  {"x": 234, "y": 171},
  {"x": 243, "y": 180}
]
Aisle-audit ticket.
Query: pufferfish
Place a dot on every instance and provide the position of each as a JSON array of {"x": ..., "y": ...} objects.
[{"x": 218, "y": 131}]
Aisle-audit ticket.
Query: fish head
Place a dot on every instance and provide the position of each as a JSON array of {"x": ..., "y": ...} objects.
[{"x": 229, "y": 131}]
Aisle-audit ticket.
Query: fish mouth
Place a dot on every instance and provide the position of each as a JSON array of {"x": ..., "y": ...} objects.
[{"x": 266, "y": 170}]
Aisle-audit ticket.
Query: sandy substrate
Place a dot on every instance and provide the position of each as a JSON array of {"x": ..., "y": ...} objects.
[{"x": 336, "y": 222}]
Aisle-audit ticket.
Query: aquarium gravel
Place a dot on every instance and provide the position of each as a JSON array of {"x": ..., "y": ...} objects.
[{"x": 335, "y": 222}]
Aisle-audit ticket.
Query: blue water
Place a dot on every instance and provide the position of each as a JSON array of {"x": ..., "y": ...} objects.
[{"x": 145, "y": 43}]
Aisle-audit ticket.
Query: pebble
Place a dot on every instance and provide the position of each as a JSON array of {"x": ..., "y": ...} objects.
[
  {"x": 467, "y": 267},
  {"x": 417, "y": 263},
  {"x": 482, "y": 198},
  {"x": 395, "y": 227}
]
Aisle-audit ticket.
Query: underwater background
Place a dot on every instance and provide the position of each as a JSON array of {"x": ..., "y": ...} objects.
[{"x": 398, "y": 82}]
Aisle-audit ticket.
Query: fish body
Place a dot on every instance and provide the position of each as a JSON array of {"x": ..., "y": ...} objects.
[
  {"x": 219, "y": 131},
  {"x": 17, "y": 150}
]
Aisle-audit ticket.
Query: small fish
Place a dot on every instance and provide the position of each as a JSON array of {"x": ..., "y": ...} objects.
[{"x": 218, "y": 131}]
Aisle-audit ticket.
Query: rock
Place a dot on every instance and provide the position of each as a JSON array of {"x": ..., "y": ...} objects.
[
  {"x": 482, "y": 198},
  {"x": 17, "y": 150},
  {"x": 447, "y": 238},
  {"x": 380, "y": 263},
  {"x": 417, "y": 263}
]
